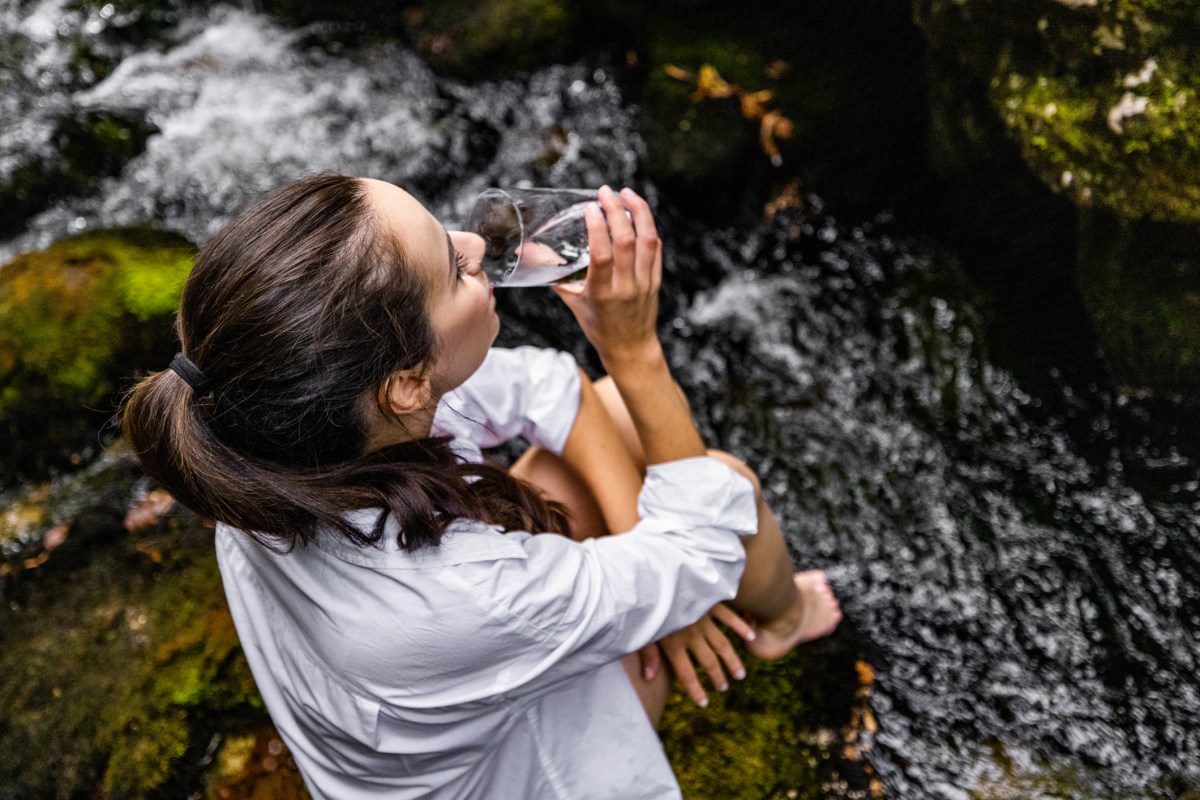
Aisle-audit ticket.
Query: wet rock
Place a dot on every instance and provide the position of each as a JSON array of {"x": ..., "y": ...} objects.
[
  {"x": 825, "y": 94},
  {"x": 791, "y": 729},
  {"x": 1066, "y": 136},
  {"x": 481, "y": 39},
  {"x": 1101, "y": 98},
  {"x": 119, "y": 665},
  {"x": 83, "y": 148},
  {"x": 1140, "y": 283},
  {"x": 77, "y": 322}
]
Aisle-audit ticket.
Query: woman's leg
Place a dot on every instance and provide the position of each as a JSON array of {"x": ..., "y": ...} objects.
[
  {"x": 787, "y": 608},
  {"x": 552, "y": 475}
]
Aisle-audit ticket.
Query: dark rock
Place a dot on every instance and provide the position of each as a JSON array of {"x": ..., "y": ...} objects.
[{"x": 86, "y": 147}]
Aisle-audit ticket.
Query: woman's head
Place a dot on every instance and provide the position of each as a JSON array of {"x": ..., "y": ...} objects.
[
  {"x": 303, "y": 306},
  {"x": 328, "y": 317},
  {"x": 459, "y": 300}
]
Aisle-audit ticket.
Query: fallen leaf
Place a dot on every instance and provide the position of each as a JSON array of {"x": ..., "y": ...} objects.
[
  {"x": 710, "y": 84},
  {"x": 678, "y": 73},
  {"x": 754, "y": 103},
  {"x": 774, "y": 125},
  {"x": 56, "y": 536},
  {"x": 37, "y": 561},
  {"x": 149, "y": 510},
  {"x": 866, "y": 675},
  {"x": 152, "y": 550}
]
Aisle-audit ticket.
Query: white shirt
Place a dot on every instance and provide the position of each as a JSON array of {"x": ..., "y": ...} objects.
[{"x": 486, "y": 667}]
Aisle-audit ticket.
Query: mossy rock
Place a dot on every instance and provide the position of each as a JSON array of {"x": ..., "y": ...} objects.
[
  {"x": 1140, "y": 280},
  {"x": 121, "y": 670},
  {"x": 1100, "y": 95},
  {"x": 792, "y": 729},
  {"x": 481, "y": 39},
  {"x": 77, "y": 321}
]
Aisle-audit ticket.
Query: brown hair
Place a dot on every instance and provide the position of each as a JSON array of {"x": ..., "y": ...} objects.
[{"x": 296, "y": 312}]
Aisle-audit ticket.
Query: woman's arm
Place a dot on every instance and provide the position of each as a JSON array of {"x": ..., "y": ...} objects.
[
  {"x": 617, "y": 308},
  {"x": 596, "y": 453}
]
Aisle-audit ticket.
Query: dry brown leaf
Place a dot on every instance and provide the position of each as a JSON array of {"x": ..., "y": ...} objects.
[
  {"x": 710, "y": 84},
  {"x": 149, "y": 510},
  {"x": 866, "y": 675},
  {"x": 754, "y": 103},
  {"x": 56, "y": 536},
  {"x": 153, "y": 551},
  {"x": 679, "y": 73},
  {"x": 37, "y": 561},
  {"x": 774, "y": 125}
]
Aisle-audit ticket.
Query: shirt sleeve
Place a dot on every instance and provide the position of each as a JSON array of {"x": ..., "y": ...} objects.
[
  {"x": 524, "y": 391},
  {"x": 574, "y": 606}
]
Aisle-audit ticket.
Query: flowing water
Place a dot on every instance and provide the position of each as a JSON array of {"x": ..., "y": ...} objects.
[{"x": 1022, "y": 580}]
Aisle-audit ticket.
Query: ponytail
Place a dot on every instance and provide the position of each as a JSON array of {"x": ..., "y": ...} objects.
[{"x": 294, "y": 313}]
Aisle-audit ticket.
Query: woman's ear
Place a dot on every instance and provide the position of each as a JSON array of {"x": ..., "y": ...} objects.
[{"x": 405, "y": 392}]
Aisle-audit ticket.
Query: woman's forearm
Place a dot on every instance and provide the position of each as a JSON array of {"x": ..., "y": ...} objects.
[{"x": 659, "y": 410}]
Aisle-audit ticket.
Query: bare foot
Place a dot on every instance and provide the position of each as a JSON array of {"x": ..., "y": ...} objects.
[{"x": 815, "y": 614}]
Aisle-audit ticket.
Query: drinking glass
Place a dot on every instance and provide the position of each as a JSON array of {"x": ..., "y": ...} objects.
[{"x": 534, "y": 237}]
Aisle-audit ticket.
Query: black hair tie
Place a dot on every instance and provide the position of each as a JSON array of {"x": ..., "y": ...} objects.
[{"x": 182, "y": 366}]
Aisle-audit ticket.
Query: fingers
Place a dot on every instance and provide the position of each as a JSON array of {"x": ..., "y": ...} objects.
[
  {"x": 624, "y": 241},
  {"x": 599, "y": 245},
  {"x": 707, "y": 646},
  {"x": 648, "y": 260},
  {"x": 719, "y": 651},
  {"x": 651, "y": 658},
  {"x": 677, "y": 654},
  {"x": 731, "y": 619}
]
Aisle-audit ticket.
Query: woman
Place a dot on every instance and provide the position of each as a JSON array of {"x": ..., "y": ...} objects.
[{"x": 411, "y": 637}]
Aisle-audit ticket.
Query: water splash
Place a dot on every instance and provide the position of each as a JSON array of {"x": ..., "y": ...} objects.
[
  {"x": 1015, "y": 595},
  {"x": 242, "y": 105},
  {"x": 1025, "y": 593}
]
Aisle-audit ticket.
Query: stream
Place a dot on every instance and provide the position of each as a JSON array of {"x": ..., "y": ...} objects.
[{"x": 1019, "y": 571}]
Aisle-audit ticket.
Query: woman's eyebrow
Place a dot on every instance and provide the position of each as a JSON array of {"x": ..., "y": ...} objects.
[
  {"x": 454, "y": 268},
  {"x": 450, "y": 252}
]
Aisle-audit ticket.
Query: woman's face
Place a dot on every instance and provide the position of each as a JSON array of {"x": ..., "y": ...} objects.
[{"x": 462, "y": 308}]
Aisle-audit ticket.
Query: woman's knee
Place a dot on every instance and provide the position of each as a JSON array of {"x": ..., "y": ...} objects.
[{"x": 739, "y": 466}]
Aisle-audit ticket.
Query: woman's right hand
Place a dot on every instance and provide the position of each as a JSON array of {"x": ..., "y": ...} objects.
[{"x": 617, "y": 305}]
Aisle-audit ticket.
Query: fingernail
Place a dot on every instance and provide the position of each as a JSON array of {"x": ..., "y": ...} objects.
[
  {"x": 648, "y": 674},
  {"x": 592, "y": 209},
  {"x": 724, "y": 687},
  {"x": 702, "y": 702},
  {"x": 751, "y": 636},
  {"x": 607, "y": 192},
  {"x": 740, "y": 674}
]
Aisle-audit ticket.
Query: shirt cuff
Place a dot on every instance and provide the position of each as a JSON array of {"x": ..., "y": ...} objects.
[{"x": 699, "y": 492}]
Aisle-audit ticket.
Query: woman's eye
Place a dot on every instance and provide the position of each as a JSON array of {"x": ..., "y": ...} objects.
[{"x": 461, "y": 263}]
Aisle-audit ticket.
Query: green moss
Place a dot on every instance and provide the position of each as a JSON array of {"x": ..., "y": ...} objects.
[
  {"x": 76, "y": 322},
  {"x": 772, "y": 735},
  {"x": 118, "y": 660},
  {"x": 1101, "y": 100},
  {"x": 484, "y": 38}
]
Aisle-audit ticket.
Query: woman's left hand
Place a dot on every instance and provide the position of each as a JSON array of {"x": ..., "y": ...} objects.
[{"x": 705, "y": 643}]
